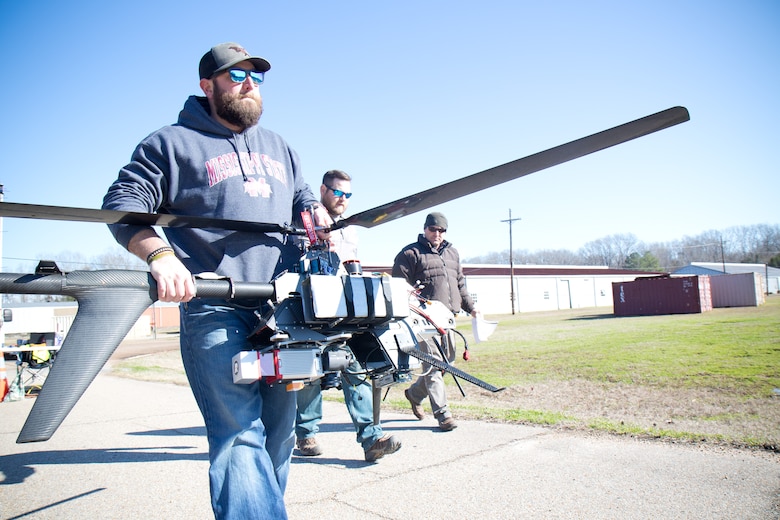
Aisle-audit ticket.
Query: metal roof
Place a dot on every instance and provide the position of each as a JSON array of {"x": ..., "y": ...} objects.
[
  {"x": 534, "y": 270},
  {"x": 717, "y": 268}
]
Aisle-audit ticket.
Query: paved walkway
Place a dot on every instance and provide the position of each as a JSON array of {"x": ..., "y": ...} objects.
[{"x": 132, "y": 449}]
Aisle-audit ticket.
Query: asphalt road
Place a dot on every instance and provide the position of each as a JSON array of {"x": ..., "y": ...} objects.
[{"x": 133, "y": 449}]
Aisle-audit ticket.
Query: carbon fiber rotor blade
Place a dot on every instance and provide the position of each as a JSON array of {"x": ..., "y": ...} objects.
[
  {"x": 518, "y": 168},
  {"x": 381, "y": 214},
  {"x": 107, "y": 216}
]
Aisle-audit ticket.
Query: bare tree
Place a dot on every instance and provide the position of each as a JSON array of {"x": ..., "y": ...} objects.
[
  {"x": 553, "y": 257},
  {"x": 755, "y": 244},
  {"x": 119, "y": 258},
  {"x": 597, "y": 252},
  {"x": 752, "y": 244},
  {"x": 611, "y": 251},
  {"x": 705, "y": 247},
  {"x": 625, "y": 245},
  {"x": 665, "y": 253}
]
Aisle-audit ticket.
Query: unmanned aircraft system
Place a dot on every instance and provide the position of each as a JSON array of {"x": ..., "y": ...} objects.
[{"x": 317, "y": 318}]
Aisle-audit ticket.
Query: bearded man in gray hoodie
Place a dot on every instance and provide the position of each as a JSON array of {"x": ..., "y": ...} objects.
[{"x": 217, "y": 162}]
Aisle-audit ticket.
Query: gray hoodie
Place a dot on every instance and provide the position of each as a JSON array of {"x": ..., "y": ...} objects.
[{"x": 198, "y": 167}]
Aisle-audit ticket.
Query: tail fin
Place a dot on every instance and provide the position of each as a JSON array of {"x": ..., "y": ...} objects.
[{"x": 110, "y": 302}]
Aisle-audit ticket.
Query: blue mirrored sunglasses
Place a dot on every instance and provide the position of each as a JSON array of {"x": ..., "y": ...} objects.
[
  {"x": 239, "y": 76},
  {"x": 339, "y": 193}
]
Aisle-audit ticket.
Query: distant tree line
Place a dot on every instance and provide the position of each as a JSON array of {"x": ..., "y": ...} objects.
[{"x": 757, "y": 244}]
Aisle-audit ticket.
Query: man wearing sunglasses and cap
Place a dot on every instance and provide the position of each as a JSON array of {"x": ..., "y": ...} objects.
[
  {"x": 335, "y": 193},
  {"x": 434, "y": 264},
  {"x": 217, "y": 162}
]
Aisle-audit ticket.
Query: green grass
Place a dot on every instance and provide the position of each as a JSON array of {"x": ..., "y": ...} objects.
[
  {"x": 541, "y": 417},
  {"x": 729, "y": 349},
  {"x": 728, "y": 355},
  {"x": 729, "y": 358},
  {"x": 164, "y": 367},
  {"x": 620, "y": 428}
]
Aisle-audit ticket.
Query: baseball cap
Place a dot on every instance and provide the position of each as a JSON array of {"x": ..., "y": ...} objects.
[{"x": 225, "y": 55}]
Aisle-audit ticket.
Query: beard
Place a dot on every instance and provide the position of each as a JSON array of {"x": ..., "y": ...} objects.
[
  {"x": 235, "y": 110},
  {"x": 334, "y": 208}
]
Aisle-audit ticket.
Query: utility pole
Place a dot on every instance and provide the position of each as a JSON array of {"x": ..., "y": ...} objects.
[{"x": 511, "y": 261}]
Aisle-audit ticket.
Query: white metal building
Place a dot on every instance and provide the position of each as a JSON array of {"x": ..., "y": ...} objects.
[
  {"x": 543, "y": 288},
  {"x": 539, "y": 287}
]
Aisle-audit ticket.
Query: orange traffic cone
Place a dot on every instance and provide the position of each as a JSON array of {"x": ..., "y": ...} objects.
[{"x": 3, "y": 378}]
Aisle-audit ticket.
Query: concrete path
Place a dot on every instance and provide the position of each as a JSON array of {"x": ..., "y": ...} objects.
[{"x": 133, "y": 449}]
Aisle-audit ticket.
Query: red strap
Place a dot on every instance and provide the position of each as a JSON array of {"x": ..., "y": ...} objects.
[{"x": 308, "y": 225}]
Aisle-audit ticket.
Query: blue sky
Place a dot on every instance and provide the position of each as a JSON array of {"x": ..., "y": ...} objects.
[{"x": 409, "y": 95}]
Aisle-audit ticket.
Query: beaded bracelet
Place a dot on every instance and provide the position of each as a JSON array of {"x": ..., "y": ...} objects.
[{"x": 159, "y": 253}]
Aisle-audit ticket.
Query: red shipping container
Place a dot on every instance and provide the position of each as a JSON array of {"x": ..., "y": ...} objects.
[
  {"x": 662, "y": 295},
  {"x": 737, "y": 290}
]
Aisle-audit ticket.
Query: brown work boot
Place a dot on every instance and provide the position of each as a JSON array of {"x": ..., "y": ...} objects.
[
  {"x": 384, "y": 446},
  {"x": 417, "y": 408},
  {"x": 308, "y": 447},
  {"x": 447, "y": 424}
]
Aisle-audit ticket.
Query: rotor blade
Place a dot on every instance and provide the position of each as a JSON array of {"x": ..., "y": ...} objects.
[
  {"x": 386, "y": 212},
  {"x": 108, "y": 216},
  {"x": 518, "y": 168}
]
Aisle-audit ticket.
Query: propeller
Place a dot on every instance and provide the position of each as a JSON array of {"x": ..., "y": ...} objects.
[
  {"x": 386, "y": 212},
  {"x": 517, "y": 168}
]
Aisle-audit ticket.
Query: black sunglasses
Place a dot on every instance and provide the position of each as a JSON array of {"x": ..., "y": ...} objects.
[
  {"x": 434, "y": 229},
  {"x": 339, "y": 193}
]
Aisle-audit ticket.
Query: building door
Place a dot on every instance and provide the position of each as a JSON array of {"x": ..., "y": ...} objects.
[{"x": 564, "y": 294}]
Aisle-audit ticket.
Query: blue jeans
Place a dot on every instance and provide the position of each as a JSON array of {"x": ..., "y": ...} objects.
[
  {"x": 250, "y": 427},
  {"x": 358, "y": 397},
  {"x": 307, "y": 422}
]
